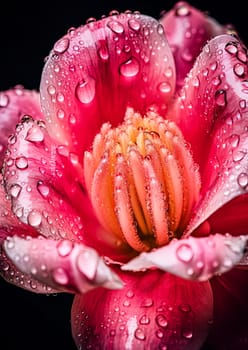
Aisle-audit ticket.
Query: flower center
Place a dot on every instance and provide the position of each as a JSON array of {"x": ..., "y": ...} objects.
[{"x": 142, "y": 180}]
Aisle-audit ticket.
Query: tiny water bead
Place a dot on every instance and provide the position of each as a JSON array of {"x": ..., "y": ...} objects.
[{"x": 142, "y": 181}]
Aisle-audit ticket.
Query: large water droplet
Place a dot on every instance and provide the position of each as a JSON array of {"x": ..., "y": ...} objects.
[
  {"x": 34, "y": 218},
  {"x": 35, "y": 134},
  {"x": 4, "y": 100},
  {"x": 116, "y": 27},
  {"x": 184, "y": 253},
  {"x": 220, "y": 98},
  {"x": 130, "y": 68},
  {"x": 243, "y": 180},
  {"x": 15, "y": 190},
  {"x": 161, "y": 321},
  {"x": 239, "y": 69},
  {"x": 164, "y": 87},
  {"x": 144, "y": 320},
  {"x": 103, "y": 52},
  {"x": 231, "y": 47},
  {"x": 61, "y": 45},
  {"x": 21, "y": 162},
  {"x": 134, "y": 24},
  {"x": 64, "y": 247},
  {"x": 139, "y": 334},
  {"x": 60, "y": 276},
  {"x": 85, "y": 90},
  {"x": 43, "y": 189}
]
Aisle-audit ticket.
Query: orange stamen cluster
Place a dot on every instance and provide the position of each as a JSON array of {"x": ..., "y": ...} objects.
[{"x": 142, "y": 180}]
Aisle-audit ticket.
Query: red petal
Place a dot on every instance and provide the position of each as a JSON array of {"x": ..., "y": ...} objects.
[
  {"x": 193, "y": 258},
  {"x": 43, "y": 182},
  {"x": 212, "y": 113},
  {"x": 97, "y": 70},
  {"x": 187, "y": 30},
  {"x": 153, "y": 311},
  {"x": 230, "y": 326},
  {"x": 13, "y": 105},
  {"x": 62, "y": 265}
]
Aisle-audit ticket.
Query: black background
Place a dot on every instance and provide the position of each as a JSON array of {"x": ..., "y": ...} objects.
[{"x": 28, "y": 31}]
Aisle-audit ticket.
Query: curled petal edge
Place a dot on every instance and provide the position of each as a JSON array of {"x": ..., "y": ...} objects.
[
  {"x": 63, "y": 265},
  {"x": 193, "y": 258}
]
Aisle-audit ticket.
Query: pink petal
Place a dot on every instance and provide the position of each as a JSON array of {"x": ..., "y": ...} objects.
[
  {"x": 212, "y": 113},
  {"x": 9, "y": 226},
  {"x": 187, "y": 30},
  {"x": 154, "y": 311},
  {"x": 230, "y": 326},
  {"x": 95, "y": 71},
  {"x": 193, "y": 258},
  {"x": 42, "y": 180},
  {"x": 62, "y": 265},
  {"x": 13, "y": 105}
]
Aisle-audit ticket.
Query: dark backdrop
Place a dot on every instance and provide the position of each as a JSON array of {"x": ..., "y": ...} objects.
[{"x": 27, "y": 33}]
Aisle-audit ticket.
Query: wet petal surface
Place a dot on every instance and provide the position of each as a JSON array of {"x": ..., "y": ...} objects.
[
  {"x": 194, "y": 258},
  {"x": 13, "y": 105},
  {"x": 126, "y": 62},
  {"x": 62, "y": 265},
  {"x": 153, "y": 311},
  {"x": 187, "y": 30}
]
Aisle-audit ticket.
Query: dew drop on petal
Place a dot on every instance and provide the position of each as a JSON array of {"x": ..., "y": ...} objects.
[
  {"x": 161, "y": 321},
  {"x": 139, "y": 334},
  {"x": 43, "y": 189},
  {"x": 116, "y": 27},
  {"x": 60, "y": 276},
  {"x": 147, "y": 302},
  {"x": 182, "y": 9},
  {"x": 231, "y": 47},
  {"x": 51, "y": 89},
  {"x": 164, "y": 88},
  {"x": 85, "y": 90},
  {"x": 4, "y": 100},
  {"x": 15, "y": 190},
  {"x": 184, "y": 253},
  {"x": 64, "y": 248},
  {"x": 103, "y": 53},
  {"x": 21, "y": 163},
  {"x": 34, "y": 218},
  {"x": 61, "y": 45},
  {"x": 220, "y": 98},
  {"x": 187, "y": 333},
  {"x": 130, "y": 68},
  {"x": 239, "y": 69},
  {"x": 35, "y": 134},
  {"x": 243, "y": 180},
  {"x": 144, "y": 320},
  {"x": 134, "y": 24}
]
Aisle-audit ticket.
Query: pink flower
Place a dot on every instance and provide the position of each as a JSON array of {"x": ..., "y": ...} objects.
[{"x": 128, "y": 187}]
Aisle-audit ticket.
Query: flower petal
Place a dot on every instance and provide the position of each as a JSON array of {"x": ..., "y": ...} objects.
[
  {"x": 42, "y": 180},
  {"x": 187, "y": 30},
  {"x": 194, "y": 258},
  {"x": 13, "y": 105},
  {"x": 212, "y": 113},
  {"x": 230, "y": 325},
  {"x": 62, "y": 264},
  {"x": 153, "y": 311},
  {"x": 97, "y": 70}
]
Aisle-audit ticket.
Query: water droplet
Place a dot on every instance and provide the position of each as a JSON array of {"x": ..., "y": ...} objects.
[
  {"x": 103, "y": 52},
  {"x": 21, "y": 163},
  {"x": 139, "y": 334},
  {"x": 60, "y": 113},
  {"x": 147, "y": 302},
  {"x": 182, "y": 9},
  {"x": 60, "y": 276},
  {"x": 243, "y": 180},
  {"x": 184, "y": 253},
  {"x": 134, "y": 24},
  {"x": 161, "y": 321},
  {"x": 196, "y": 82},
  {"x": 43, "y": 189},
  {"x": 160, "y": 29},
  {"x": 187, "y": 333},
  {"x": 15, "y": 190},
  {"x": 116, "y": 27},
  {"x": 144, "y": 320},
  {"x": 234, "y": 140},
  {"x": 61, "y": 45},
  {"x": 35, "y": 134},
  {"x": 85, "y": 90},
  {"x": 72, "y": 119},
  {"x": 12, "y": 139},
  {"x": 231, "y": 47},
  {"x": 242, "y": 104},
  {"x": 130, "y": 293},
  {"x": 239, "y": 69},
  {"x": 4, "y": 100},
  {"x": 164, "y": 87},
  {"x": 34, "y": 218},
  {"x": 51, "y": 90},
  {"x": 60, "y": 97},
  {"x": 238, "y": 155},
  {"x": 185, "y": 308},
  {"x": 159, "y": 333},
  {"x": 130, "y": 68},
  {"x": 220, "y": 98},
  {"x": 65, "y": 247},
  {"x": 241, "y": 56},
  {"x": 126, "y": 303}
]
